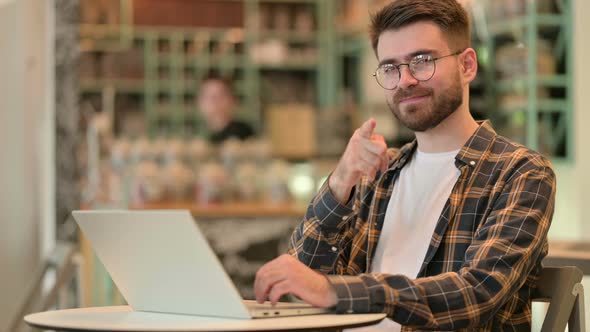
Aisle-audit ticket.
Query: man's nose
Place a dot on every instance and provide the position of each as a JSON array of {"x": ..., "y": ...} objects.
[{"x": 406, "y": 78}]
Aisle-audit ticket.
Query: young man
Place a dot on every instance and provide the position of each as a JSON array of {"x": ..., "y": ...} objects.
[
  {"x": 446, "y": 233},
  {"x": 216, "y": 102}
]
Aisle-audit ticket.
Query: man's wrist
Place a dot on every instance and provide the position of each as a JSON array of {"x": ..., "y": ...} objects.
[
  {"x": 331, "y": 296},
  {"x": 339, "y": 189}
]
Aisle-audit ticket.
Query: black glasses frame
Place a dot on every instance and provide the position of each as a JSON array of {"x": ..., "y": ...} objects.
[{"x": 399, "y": 71}]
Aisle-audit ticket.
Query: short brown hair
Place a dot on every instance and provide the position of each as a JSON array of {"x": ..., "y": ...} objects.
[{"x": 448, "y": 15}]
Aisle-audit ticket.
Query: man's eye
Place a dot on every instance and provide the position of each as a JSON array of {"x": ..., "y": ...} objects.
[
  {"x": 421, "y": 59},
  {"x": 388, "y": 69}
]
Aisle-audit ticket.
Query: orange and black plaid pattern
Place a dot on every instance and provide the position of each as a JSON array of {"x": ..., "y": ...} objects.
[{"x": 484, "y": 256}]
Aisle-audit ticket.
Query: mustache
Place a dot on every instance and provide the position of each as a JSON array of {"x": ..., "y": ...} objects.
[{"x": 411, "y": 93}]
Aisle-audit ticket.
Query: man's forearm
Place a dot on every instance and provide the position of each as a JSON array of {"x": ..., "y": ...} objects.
[{"x": 314, "y": 241}]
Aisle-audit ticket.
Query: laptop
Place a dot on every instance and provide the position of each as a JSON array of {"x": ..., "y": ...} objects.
[{"x": 161, "y": 262}]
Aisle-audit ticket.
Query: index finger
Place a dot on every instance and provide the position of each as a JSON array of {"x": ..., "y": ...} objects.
[{"x": 366, "y": 130}]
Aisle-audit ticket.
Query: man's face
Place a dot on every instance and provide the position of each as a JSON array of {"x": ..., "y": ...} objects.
[
  {"x": 215, "y": 101},
  {"x": 421, "y": 105}
]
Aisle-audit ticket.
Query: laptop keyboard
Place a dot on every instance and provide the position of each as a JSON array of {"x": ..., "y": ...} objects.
[{"x": 281, "y": 305}]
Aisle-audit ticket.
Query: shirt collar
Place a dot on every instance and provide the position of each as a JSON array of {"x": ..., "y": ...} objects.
[
  {"x": 405, "y": 152},
  {"x": 470, "y": 154}
]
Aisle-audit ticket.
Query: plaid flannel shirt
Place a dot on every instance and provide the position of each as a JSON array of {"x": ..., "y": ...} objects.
[{"x": 483, "y": 259}]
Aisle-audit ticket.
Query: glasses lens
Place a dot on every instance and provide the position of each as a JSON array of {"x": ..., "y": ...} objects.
[
  {"x": 422, "y": 67},
  {"x": 387, "y": 76}
]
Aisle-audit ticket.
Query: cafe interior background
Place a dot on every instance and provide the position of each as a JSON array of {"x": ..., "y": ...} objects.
[{"x": 98, "y": 111}]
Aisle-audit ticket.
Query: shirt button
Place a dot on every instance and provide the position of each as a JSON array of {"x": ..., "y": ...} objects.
[
  {"x": 472, "y": 163},
  {"x": 334, "y": 249}
]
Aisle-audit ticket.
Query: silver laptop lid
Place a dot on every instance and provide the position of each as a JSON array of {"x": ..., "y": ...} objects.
[{"x": 161, "y": 262}]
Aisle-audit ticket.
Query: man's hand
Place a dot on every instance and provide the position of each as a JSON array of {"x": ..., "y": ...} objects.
[
  {"x": 365, "y": 154},
  {"x": 286, "y": 274}
]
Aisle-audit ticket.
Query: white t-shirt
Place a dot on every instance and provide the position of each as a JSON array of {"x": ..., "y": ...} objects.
[{"x": 419, "y": 195}]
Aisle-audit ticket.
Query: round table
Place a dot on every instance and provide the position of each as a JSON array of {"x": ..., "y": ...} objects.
[{"x": 123, "y": 318}]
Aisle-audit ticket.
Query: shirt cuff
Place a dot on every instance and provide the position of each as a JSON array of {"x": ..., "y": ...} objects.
[
  {"x": 328, "y": 210},
  {"x": 352, "y": 293}
]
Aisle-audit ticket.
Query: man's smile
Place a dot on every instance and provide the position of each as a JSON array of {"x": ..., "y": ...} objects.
[{"x": 413, "y": 99}]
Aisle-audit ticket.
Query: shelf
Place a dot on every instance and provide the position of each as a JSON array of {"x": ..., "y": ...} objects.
[
  {"x": 164, "y": 112},
  {"x": 100, "y": 30},
  {"x": 187, "y": 60},
  {"x": 352, "y": 44},
  {"x": 130, "y": 86},
  {"x": 186, "y": 87},
  {"x": 284, "y": 1},
  {"x": 175, "y": 59},
  {"x": 511, "y": 24},
  {"x": 553, "y": 81},
  {"x": 289, "y": 36},
  {"x": 543, "y": 106},
  {"x": 187, "y": 33},
  {"x": 193, "y": 61},
  {"x": 290, "y": 65},
  {"x": 229, "y": 210}
]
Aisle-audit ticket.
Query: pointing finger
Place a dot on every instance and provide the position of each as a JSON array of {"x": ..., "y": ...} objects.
[{"x": 366, "y": 130}]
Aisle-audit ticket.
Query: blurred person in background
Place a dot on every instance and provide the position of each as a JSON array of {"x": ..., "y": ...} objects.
[
  {"x": 216, "y": 102},
  {"x": 446, "y": 233}
]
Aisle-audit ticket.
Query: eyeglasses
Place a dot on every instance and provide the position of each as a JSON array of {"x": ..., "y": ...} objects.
[{"x": 422, "y": 67}]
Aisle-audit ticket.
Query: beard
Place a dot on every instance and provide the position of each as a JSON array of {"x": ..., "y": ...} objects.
[{"x": 430, "y": 113}]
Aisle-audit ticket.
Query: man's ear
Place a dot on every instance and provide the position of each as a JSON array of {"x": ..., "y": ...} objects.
[{"x": 468, "y": 65}]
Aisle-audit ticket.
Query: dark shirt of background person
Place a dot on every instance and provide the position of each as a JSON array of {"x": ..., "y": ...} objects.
[
  {"x": 216, "y": 102},
  {"x": 234, "y": 129}
]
